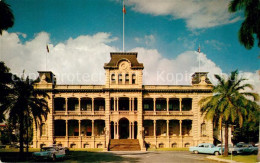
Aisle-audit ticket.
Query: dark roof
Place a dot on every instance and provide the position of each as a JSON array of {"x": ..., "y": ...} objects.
[
  {"x": 196, "y": 77},
  {"x": 116, "y": 57}
]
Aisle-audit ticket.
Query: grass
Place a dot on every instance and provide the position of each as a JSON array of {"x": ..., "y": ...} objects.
[
  {"x": 87, "y": 149},
  {"x": 85, "y": 156},
  {"x": 241, "y": 158},
  {"x": 168, "y": 149},
  {"x": 17, "y": 150}
]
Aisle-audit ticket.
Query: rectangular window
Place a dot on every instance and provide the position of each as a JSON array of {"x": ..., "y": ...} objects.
[
  {"x": 113, "y": 79},
  {"x": 133, "y": 79},
  {"x": 120, "y": 78},
  {"x": 127, "y": 78}
]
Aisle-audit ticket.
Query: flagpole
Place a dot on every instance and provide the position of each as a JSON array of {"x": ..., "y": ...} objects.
[
  {"x": 47, "y": 48},
  {"x": 46, "y": 62},
  {"x": 199, "y": 57},
  {"x": 123, "y": 27}
]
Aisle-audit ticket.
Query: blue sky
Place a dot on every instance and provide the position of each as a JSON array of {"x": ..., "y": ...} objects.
[
  {"x": 69, "y": 18},
  {"x": 171, "y": 27}
]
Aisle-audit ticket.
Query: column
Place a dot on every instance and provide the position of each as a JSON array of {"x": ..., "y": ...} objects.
[
  {"x": 92, "y": 105},
  {"x": 167, "y": 132},
  {"x": 167, "y": 104},
  {"x": 114, "y": 130},
  {"x": 67, "y": 129},
  {"x": 67, "y": 134},
  {"x": 181, "y": 132},
  {"x": 117, "y": 103},
  {"x": 79, "y": 107},
  {"x": 154, "y": 106},
  {"x": 180, "y": 121},
  {"x": 180, "y": 99},
  {"x": 93, "y": 134},
  {"x": 130, "y": 102},
  {"x": 66, "y": 106},
  {"x": 133, "y": 130},
  {"x": 79, "y": 128},
  {"x": 154, "y": 128},
  {"x": 114, "y": 104},
  {"x": 117, "y": 133},
  {"x": 80, "y": 134},
  {"x": 130, "y": 130}
]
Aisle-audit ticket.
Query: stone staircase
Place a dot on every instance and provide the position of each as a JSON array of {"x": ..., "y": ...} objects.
[{"x": 124, "y": 145}]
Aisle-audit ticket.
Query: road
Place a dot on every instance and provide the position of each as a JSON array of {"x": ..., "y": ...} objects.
[{"x": 164, "y": 156}]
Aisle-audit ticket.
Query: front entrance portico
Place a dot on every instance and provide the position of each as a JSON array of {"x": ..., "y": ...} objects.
[{"x": 123, "y": 128}]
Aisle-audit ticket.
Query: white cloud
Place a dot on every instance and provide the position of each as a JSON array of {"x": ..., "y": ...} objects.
[
  {"x": 148, "y": 40},
  {"x": 77, "y": 61},
  {"x": 216, "y": 44},
  {"x": 187, "y": 43},
  {"x": 197, "y": 14},
  {"x": 81, "y": 60}
]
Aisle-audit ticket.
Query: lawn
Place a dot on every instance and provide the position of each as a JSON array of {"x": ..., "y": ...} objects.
[
  {"x": 75, "y": 155},
  {"x": 168, "y": 149},
  {"x": 241, "y": 158},
  {"x": 86, "y": 156}
]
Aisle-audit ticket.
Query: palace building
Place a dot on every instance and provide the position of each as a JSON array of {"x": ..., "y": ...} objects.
[{"x": 99, "y": 116}]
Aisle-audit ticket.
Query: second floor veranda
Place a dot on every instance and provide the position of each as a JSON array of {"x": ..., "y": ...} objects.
[{"x": 122, "y": 105}]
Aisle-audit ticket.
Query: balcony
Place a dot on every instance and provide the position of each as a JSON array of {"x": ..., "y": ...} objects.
[
  {"x": 79, "y": 113},
  {"x": 187, "y": 113},
  {"x": 123, "y": 112}
]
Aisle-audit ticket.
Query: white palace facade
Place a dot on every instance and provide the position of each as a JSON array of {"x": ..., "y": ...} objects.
[{"x": 91, "y": 116}]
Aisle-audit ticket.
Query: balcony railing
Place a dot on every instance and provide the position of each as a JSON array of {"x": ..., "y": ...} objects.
[
  {"x": 77, "y": 112},
  {"x": 59, "y": 112},
  {"x": 168, "y": 113},
  {"x": 188, "y": 113},
  {"x": 99, "y": 112}
]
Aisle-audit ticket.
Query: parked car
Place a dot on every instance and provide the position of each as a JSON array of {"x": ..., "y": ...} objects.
[
  {"x": 247, "y": 148},
  {"x": 49, "y": 153},
  {"x": 231, "y": 149},
  {"x": 206, "y": 148}
]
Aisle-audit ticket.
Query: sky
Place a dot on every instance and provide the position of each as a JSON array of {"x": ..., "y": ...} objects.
[{"x": 165, "y": 33}]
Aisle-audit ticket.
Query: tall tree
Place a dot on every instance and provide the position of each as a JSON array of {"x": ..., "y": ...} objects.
[
  {"x": 5, "y": 84},
  {"x": 24, "y": 100},
  {"x": 6, "y": 16},
  {"x": 230, "y": 102},
  {"x": 251, "y": 23}
]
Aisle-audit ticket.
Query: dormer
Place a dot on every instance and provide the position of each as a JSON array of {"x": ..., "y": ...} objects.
[
  {"x": 200, "y": 79},
  {"x": 47, "y": 80},
  {"x": 124, "y": 71}
]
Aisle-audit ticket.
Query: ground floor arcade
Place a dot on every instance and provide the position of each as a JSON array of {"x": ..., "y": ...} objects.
[{"x": 87, "y": 133}]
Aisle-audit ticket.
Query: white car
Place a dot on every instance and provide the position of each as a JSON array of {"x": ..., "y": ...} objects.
[{"x": 49, "y": 153}]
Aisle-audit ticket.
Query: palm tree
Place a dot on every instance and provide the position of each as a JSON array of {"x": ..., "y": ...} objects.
[
  {"x": 6, "y": 16},
  {"x": 5, "y": 81},
  {"x": 229, "y": 103},
  {"x": 22, "y": 102},
  {"x": 251, "y": 24}
]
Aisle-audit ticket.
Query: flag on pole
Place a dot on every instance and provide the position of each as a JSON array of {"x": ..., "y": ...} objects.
[
  {"x": 124, "y": 10},
  {"x": 199, "y": 49},
  {"x": 47, "y": 48}
]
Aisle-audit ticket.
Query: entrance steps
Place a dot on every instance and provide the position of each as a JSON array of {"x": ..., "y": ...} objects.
[{"x": 124, "y": 145}]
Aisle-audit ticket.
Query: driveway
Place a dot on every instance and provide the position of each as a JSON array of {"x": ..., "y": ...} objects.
[{"x": 162, "y": 156}]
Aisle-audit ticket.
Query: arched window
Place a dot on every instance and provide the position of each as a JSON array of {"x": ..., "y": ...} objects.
[
  {"x": 120, "y": 79},
  {"x": 203, "y": 129},
  {"x": 126, "y": 78},
  {"x": 113, "y": 78},
  {"x": 43, "y": 129},
  {"x": 133, "y": 79}
]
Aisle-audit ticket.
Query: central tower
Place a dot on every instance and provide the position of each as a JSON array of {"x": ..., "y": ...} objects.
[{"x": 124, "y": 71}]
